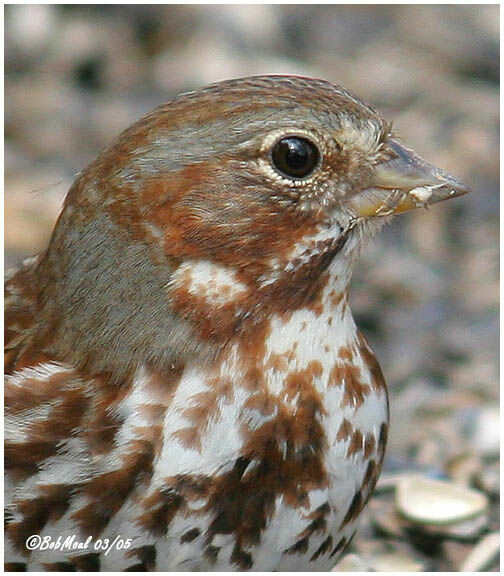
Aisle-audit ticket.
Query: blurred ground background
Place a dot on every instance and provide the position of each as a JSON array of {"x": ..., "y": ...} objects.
[{"x": 426, "y": 290}]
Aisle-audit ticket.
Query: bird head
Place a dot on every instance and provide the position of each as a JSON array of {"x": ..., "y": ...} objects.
[
  {"x": 246, "y": 168},
  {"x": 257, "y": 185}
]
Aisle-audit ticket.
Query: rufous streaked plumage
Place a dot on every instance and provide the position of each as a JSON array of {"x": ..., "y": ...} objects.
[{"x": 183, "y": 367}]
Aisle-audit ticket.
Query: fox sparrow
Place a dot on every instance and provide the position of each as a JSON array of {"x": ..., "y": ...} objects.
[{"x": 184, "y": 373}]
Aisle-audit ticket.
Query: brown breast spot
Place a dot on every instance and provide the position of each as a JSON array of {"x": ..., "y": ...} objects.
[
  {"x": 278, "y": 362},
  {"x": 48, "y": 507},
  {"x": 109, "y": 491},
  {"x": 345, "y": 353},
  {"x": 369, "y": 445},
  {"x": 205, "y": 407},
  {"x": 317, "y": 525},
  {"x": 323, "y": 548},
  {"x": 382, "y": 440},
  {"x": 355, "y": 508},
  {"x": 348, "y": 376},
  {"x": 345, "y": 431},
  {"x": 145, "y": 557},
  {"x": 376, "y": 375},
  {"x": 211, "y": 322},
  {"x": 356, "y": 444},
  {"x": 190, "y": 535},
  {"x": 56, "y": 406},
  {"x": 340, "y": 546}
]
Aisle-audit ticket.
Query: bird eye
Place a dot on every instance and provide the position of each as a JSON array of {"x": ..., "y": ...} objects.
[{"x": 295, "y": 156}]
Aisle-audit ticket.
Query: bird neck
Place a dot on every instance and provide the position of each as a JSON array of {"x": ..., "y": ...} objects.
[{"x": 111, "y": 306}]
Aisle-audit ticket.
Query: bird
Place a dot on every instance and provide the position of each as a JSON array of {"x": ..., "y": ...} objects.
[{"x": 186, "y": 388}]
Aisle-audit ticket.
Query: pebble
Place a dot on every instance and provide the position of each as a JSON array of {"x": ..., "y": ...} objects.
[
  {"x": 351, "y": 563},
  {"x": 468, "y": 530},
  {"x": 486, "y": 435},
  {"x": 397, "y": 561},
  {"x": 483, "y": 554},
  {"x": 436, "y": 503}
]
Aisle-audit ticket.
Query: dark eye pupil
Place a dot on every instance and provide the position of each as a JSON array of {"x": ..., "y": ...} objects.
[{"x": 295, "y": 156}]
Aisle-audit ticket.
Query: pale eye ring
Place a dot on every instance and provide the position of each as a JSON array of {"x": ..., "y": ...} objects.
[{"x": 295, "y": 156}]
